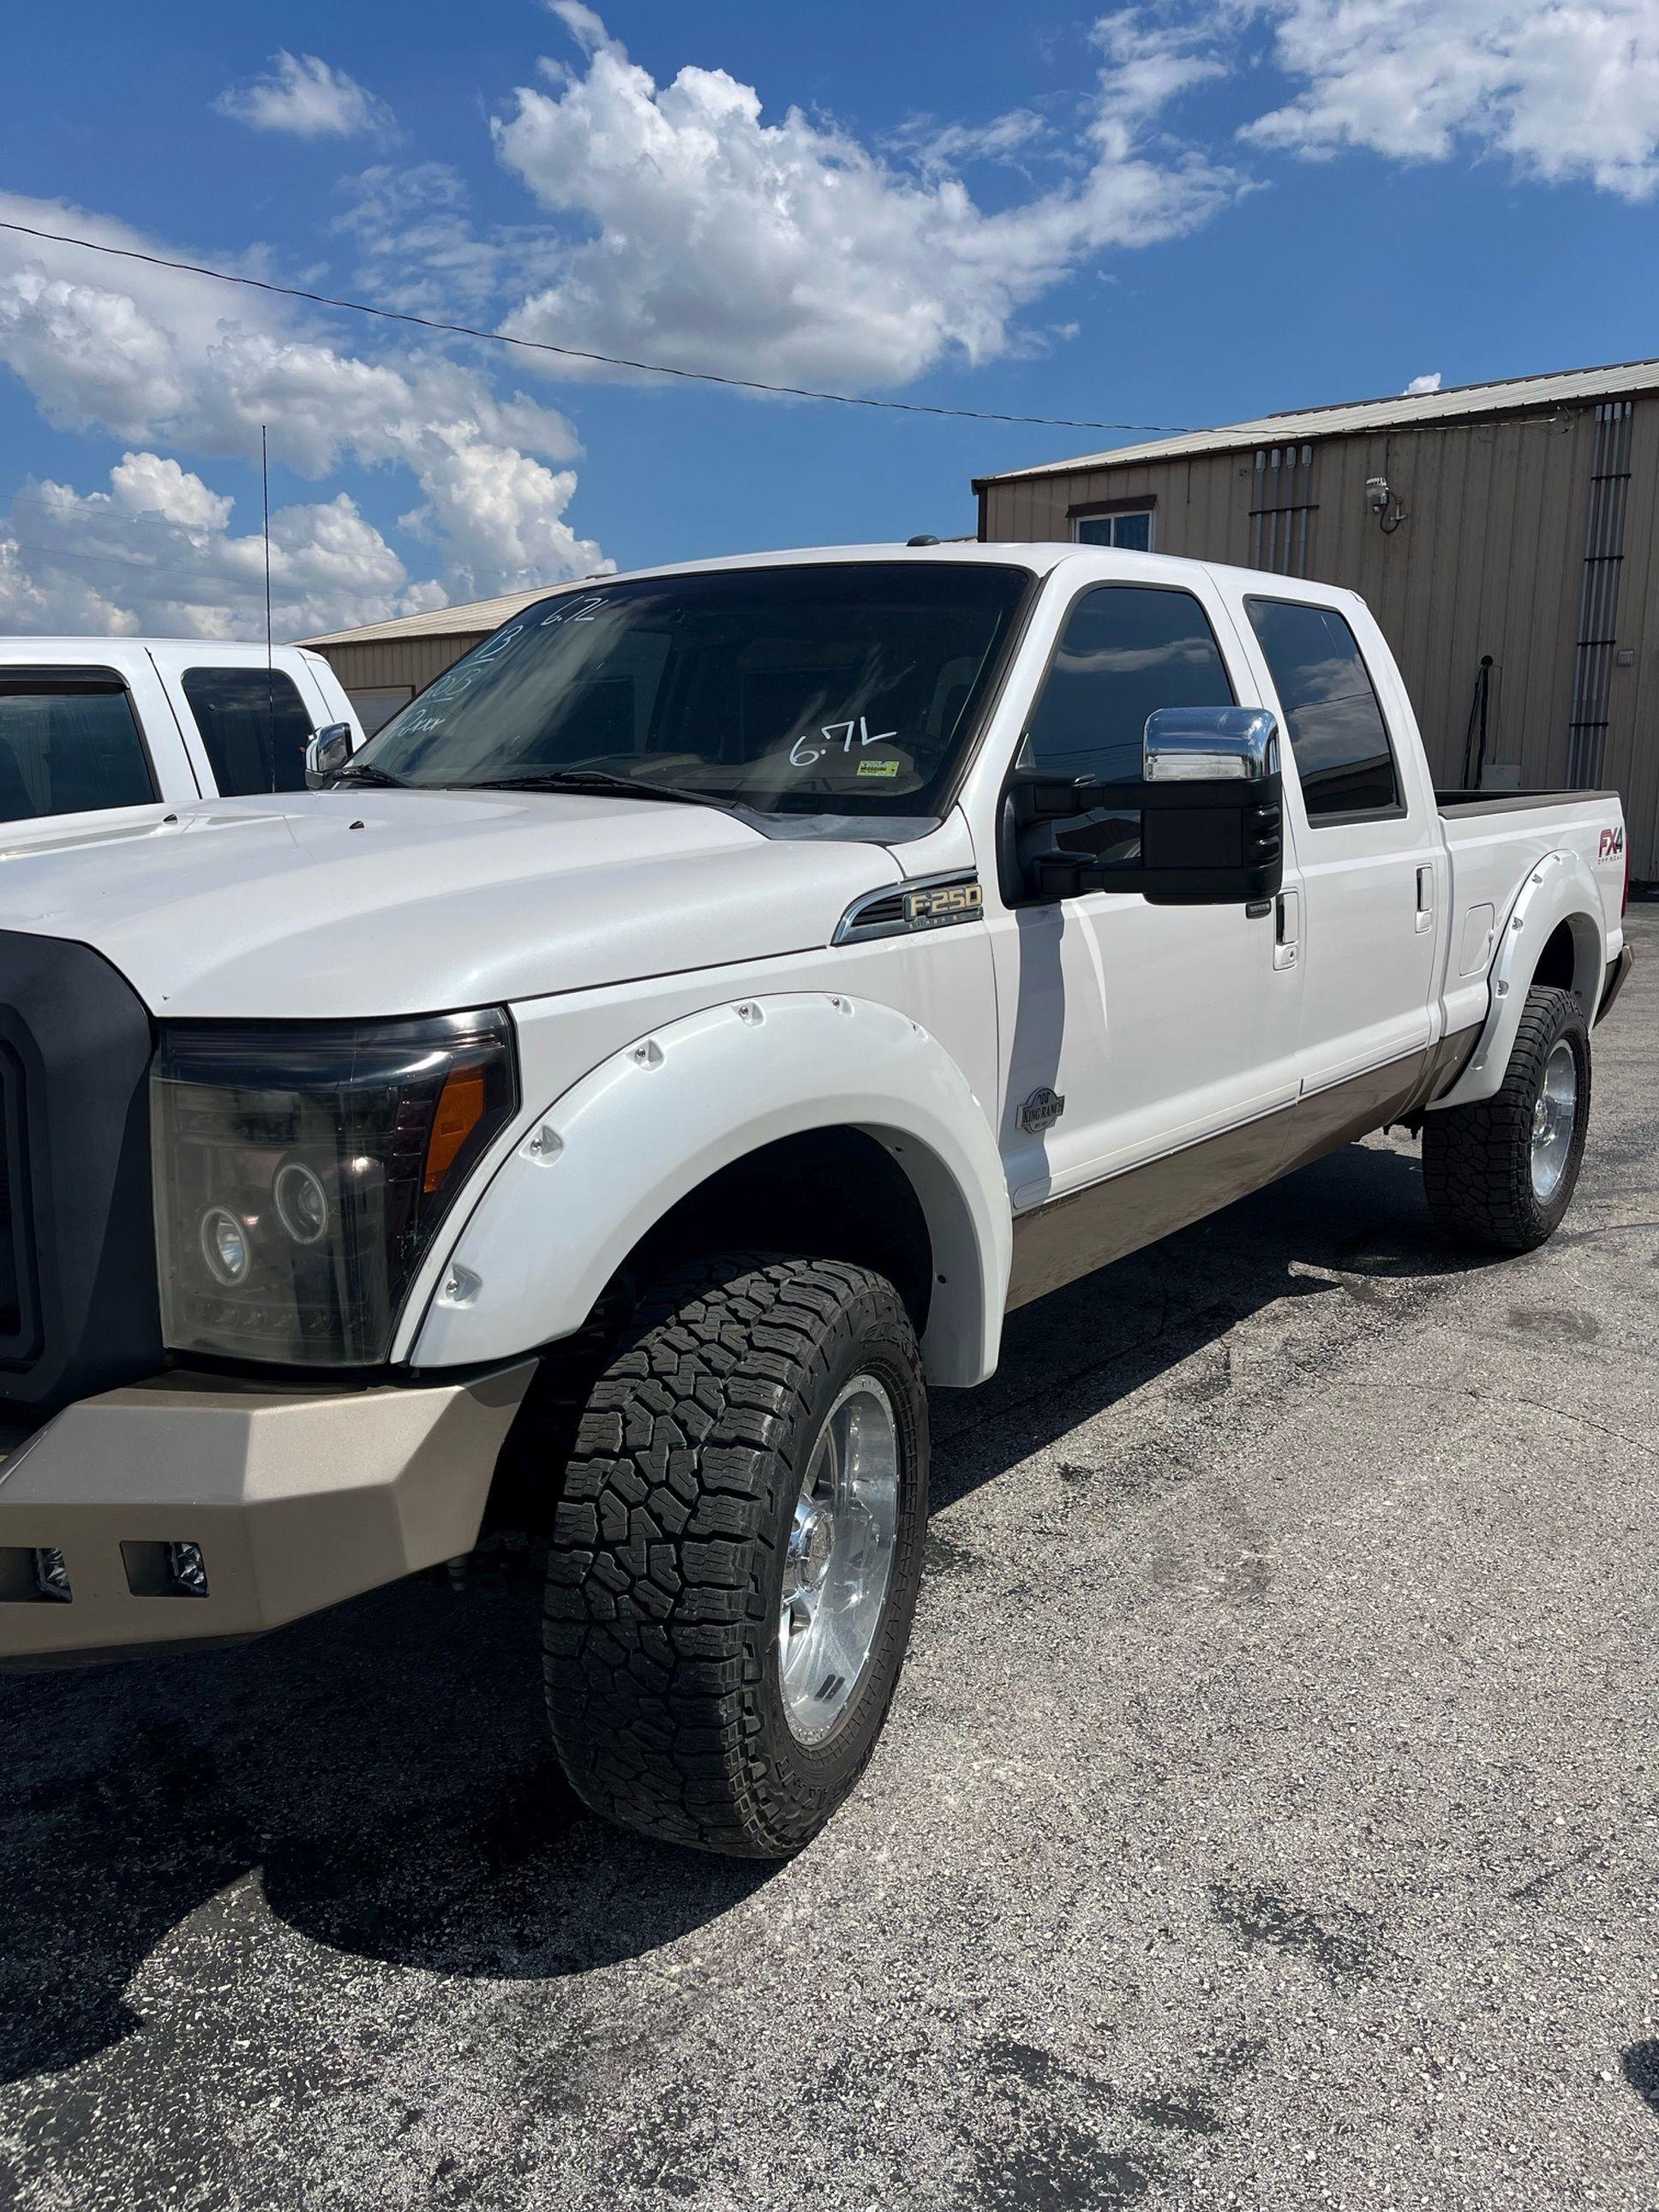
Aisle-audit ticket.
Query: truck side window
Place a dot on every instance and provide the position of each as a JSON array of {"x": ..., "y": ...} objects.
[
  {"x": 1337, "y": 731},
  {"x": 254, "y": 725},
  {"x": 1126, "y": 650},
  {"x": 69, "y": 744}
]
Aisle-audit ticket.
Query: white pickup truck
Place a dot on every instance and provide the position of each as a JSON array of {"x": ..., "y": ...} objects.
[
  {"x": 672, "y": 1044},
  {"x": 104, "y": 735}
]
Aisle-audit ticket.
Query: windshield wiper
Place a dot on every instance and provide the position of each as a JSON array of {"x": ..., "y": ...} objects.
[
  {"x": 594, "y": 783},
  {"x": 366, "y": 772}
]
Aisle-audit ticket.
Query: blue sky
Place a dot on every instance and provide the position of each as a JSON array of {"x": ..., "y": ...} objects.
[{"x": 1167, "y": 214}]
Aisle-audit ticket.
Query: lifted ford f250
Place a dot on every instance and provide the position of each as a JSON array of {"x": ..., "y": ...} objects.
[{"x": 676, "y": 1040}]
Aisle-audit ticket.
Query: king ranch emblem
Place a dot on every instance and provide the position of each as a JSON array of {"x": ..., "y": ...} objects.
[{"x": 1040, "y": 1111}]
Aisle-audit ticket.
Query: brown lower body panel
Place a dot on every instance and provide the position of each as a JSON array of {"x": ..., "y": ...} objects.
[{"x": 1072, "y": 1236}]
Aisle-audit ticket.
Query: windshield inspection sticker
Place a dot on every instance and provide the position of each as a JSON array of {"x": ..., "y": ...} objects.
[
  {"x": 806, "y": 749},
  {"x": 878, "y": 768}
]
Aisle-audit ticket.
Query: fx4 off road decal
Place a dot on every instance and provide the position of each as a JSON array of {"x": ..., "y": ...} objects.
[{"x": 1613, "y": 844}]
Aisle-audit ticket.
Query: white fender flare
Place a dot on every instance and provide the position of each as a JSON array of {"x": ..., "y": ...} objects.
[
  {"x": 604, "y": 1162},
  {"x": 1559, "y": 888}
]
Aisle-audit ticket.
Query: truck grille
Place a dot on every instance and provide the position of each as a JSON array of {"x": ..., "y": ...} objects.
[
  {"x": 78, "y": 1306},
  {"x": 17, "y": 1244}
]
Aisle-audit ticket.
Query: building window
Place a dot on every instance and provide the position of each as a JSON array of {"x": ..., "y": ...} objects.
[
  {"x": 1283, "y": 510},
  {"x": 1129, "y": 529}
]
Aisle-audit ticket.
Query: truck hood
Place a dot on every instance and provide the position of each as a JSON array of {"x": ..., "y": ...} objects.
[{"x": 316, "y": 905}]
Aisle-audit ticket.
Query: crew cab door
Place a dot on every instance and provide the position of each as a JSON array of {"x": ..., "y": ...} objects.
[
  {"x": 1372, "y": 860},
  {"x": 1134, "y": 1030},
  {"x": 86, "y": 749}
]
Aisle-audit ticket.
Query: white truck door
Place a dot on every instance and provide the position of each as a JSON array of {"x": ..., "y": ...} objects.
[
  {"x": 87, "y": 747},
  {"x": 1371, "y": 857},
  {"x": 1133, "y": 1031}
]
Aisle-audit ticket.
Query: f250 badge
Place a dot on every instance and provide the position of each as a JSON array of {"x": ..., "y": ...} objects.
[
  {"x": 1040, "y": 1111},
  {"x": 926, "y": 908},
  {"x": 1613, "y": 844}
]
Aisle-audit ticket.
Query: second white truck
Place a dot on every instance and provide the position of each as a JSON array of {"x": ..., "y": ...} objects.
[
  {"x": 669, "y": 1048},
  {"x": 103, "y": 736}
]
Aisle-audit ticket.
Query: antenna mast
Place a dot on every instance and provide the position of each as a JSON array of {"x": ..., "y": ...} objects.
[{"x": 270, "y": 669}]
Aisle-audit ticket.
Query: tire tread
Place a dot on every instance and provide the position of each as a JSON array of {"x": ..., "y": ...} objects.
[{"x": 657, "y": 1563}]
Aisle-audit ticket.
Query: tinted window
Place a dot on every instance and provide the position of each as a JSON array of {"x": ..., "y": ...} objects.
[
  {"x": 68, "y": 747},
  {"x": 1131, "y": 532},
  {"x": 1126, "y": 650},
  {"x": 834, "y": 688},
  {"x": 1337, "y": 732},
  {"x": 253, "y": 725}
]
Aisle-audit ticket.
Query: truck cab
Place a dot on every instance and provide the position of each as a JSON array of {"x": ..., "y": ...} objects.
[{"x": 667, "y": 1051}]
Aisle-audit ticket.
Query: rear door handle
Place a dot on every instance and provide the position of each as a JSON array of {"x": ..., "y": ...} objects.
[
  {"x": 1425, "y": 900},
  {"x": 1287, "y": 929}
]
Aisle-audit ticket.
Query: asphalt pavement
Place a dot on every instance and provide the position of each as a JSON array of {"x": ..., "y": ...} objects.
[{"x": 1269, "y": 1818}]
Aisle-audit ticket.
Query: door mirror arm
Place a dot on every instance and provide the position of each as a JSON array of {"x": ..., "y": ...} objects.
[{"x": 1203, "y": 826}]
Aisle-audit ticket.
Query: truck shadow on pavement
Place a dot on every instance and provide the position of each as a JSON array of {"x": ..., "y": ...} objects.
[{"x": 381, "y": 1774}]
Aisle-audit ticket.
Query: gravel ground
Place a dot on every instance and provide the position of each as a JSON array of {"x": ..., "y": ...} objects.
[{"x": 1270, "y": 1816}]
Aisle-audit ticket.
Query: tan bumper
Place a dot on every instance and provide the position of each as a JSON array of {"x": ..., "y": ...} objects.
[{"x": 293, "y": 1499}]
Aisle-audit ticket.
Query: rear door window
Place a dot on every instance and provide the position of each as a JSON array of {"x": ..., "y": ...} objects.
[
  {"x": 70, "y": 744},
  {"x": 254, "y": 726},
  {"x": 1343, "y": 758}
]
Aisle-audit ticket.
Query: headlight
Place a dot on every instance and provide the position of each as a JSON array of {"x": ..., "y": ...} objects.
[{"x": 302, "y": 1170}]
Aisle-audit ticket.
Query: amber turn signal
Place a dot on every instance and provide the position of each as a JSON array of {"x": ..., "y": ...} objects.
[{"x": 460, "y": 1109}]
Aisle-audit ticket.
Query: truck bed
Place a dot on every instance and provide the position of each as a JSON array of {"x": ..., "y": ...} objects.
[{"x": 1513, "y": 802}]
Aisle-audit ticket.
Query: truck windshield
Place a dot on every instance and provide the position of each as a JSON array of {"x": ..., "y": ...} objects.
[{"x": 837, "y": 688}]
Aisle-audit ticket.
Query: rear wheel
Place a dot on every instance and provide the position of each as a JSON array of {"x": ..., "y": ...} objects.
[
  {"x": 736, "y": 1553},
  {"x": 1500, "y": 1173}
]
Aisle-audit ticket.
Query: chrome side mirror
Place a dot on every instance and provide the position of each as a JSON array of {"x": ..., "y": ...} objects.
[
  {"x": 1210, "y": 745},
  {"x": 327, "y": 754}
]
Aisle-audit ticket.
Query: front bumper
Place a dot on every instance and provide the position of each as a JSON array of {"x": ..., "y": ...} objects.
[{"x": 293, "y": 1498}]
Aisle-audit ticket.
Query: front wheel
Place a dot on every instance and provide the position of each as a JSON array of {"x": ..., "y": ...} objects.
[
  {"x": 736, "y": 1553},
  {"x": 1499, "y": 1173}
]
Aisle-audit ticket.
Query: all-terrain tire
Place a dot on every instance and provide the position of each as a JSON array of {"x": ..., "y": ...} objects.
[
  {"x": 1478, "y": 1159},
  {"x": 665, "y": 1569}
]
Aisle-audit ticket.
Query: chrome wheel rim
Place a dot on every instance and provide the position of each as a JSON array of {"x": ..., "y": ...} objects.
[
  {"x": 1552, "y": 1115},
  {"x": 839, "y": 1565}
]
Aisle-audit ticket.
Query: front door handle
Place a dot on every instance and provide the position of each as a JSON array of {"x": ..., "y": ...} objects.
[
  {"x": 1425, "y": 900},
  {"x": 1287, "y": 929}
]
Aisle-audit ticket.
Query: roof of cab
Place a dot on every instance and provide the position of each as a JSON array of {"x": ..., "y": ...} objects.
[{"x": 14, "y": 646}]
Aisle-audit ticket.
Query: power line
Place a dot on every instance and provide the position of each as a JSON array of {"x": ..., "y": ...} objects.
[
  {"x": 55, "y": 553},
  {"x": 578, "y": 353}
]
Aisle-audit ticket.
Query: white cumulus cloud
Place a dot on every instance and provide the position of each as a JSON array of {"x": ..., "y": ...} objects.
[
  {"x": 158, "y": 358},
  {"x": 302, "y": 96},
  {"x": 156, "y": 554},
  {"x": 1564, "y": 89},
  {"x": 1424, "y": 384},
  {"x": 781, "y": 248}
]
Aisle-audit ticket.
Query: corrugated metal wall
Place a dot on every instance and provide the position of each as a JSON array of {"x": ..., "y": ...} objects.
[
  {"x": 1490, "y": 560},
  {"x": 383, "y": 663}
]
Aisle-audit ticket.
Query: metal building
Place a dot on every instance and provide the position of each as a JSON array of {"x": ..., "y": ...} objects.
[
  {"x": 1505, "y": 536},
  {"x": 383, "y": 666}
]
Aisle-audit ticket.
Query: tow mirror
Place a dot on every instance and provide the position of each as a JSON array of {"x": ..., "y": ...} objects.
[
  {"x": 1203, "y": 826},
  {"x": 327, "y": 754}
]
